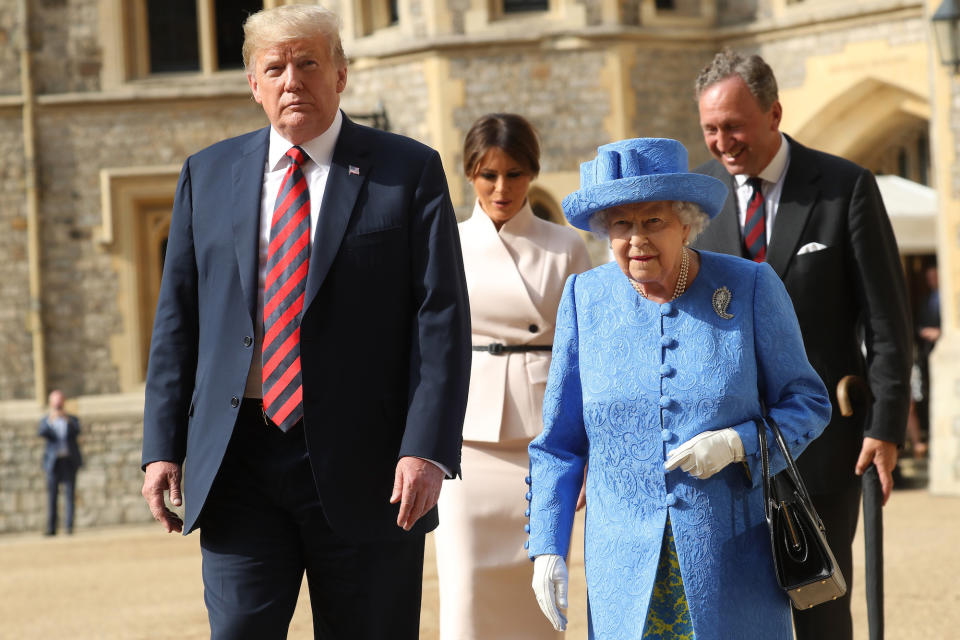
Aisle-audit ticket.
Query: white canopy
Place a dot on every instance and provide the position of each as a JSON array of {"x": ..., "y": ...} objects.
[{"x": 912, "y": 208}]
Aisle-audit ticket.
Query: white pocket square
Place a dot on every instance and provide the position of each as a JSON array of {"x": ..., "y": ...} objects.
[{"x": 810, "y": 247}]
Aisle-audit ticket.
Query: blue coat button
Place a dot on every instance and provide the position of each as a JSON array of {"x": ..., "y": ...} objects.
[
  {"x": 526, "y": 528},
  {"x": 671, "y": 500},
  {"x": 526, "y": 514},
  {"x": 666, "y": 341},
  {"x": 666, "y": 370},
  {"x": 811, "y": 434},
  {"x": 526, "y": 545},
  {"x": 247, "y": 341},
  {"x": 529, "y": 496},
  {"x": 665, "y": 402},
  {"x": 665, "y": 435},
  {"x": 527, "y": 479},
  {"x": 234, "y": 402},
  {"x": 666, "y": 309}
]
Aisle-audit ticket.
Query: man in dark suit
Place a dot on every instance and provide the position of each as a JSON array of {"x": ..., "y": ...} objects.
[
  {"x": 310, "y": 354},
  {"x": 818, "y": 220},
  {"x": 61, "y": 459}
]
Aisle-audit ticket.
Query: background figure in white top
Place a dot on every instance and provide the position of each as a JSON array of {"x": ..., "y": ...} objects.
[{"x": 516, "y": 265}]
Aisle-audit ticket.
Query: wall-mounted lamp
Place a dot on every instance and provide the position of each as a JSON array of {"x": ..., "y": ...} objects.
[{"x": 946, "y": 29}]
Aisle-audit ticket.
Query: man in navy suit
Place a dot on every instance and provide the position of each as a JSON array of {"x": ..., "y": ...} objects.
[
  {"x": 61, "y": 459},
  {"x": 310, "y": 354},
  {"x": 818, "y": 220}
]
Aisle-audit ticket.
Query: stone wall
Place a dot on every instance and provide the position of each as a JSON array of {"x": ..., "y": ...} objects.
[
  {"x": 16, "y": 346},
  {"x": 108, "y": 485},
  {"x": 9, "y": 49},
  {"x": 662, "y": 80},
  {"x": 80, "y": 283},
  {"x": 401, "y": 88},
  {"x": 567, "y": 107},
  {"x": 66, "y": 45}
]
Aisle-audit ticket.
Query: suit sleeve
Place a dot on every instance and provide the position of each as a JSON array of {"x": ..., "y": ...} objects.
[
  {"x": 881, "y": 292},
  {"x": 440, "y": 341},
  {"x": 558, "y": 455},
  {"x": 792, "y": 392},
  {"x": 173, "y": 346}
]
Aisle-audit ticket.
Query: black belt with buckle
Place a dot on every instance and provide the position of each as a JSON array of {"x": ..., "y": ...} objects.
[{"x": 498, "y": 349}]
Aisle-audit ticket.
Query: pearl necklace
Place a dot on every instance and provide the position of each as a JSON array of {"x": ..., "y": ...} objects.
[{"x": 681, "y": 281}]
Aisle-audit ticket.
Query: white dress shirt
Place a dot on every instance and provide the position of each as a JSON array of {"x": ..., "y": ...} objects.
[{"x": 772, "y": 186}]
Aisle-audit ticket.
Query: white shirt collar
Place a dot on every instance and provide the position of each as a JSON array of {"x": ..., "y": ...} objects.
[
  {"x": 319, "y": 149},
  {"x": 773, "y": 172}
]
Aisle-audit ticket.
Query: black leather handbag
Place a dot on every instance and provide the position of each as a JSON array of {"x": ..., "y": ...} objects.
[{"x": 805, "y": 566}]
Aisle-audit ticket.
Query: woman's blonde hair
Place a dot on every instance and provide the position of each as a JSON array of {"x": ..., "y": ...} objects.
[{"x": 271, "y": 27}]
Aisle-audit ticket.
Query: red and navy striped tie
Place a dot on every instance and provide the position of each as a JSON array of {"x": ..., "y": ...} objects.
[
  {"x": 288, "y": 259},
  {"x": 754, "y": 226}
]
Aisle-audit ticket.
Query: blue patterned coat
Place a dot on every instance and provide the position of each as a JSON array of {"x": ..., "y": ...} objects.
[{"x": 632, "y": 379}]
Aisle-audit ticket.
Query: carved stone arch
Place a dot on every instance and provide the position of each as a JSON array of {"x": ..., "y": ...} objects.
[
  {"x": 864, "y": 119},
  {"x": 545, "y": 206}
]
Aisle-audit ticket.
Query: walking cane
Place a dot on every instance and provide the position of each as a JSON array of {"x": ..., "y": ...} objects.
[{"x": 853, "y": 390}]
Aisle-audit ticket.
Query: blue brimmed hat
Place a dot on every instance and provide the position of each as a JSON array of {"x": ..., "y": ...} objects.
[{"x": 640, "y": 170}]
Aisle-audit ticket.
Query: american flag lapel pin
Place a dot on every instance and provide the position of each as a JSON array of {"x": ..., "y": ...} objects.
[{"x": 354, "y": 171}]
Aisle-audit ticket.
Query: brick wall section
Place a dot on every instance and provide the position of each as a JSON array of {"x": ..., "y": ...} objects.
[
  {"x": 402, "y": 90},
  {"x": 80, "y": 286},
  {"x": 788, "y": 55},
  {"x": 16, "y": 346},
  {"x": 9, "y": 49},
  {"x": 539, "y": 86},
  {"x": 108, "y": 485},
  {"x": 66, "y": 45},
  {"x": 662, "y": 81}
]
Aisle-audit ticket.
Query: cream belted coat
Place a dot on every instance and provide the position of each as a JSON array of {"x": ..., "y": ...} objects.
[{"x": 515, "y": 279}]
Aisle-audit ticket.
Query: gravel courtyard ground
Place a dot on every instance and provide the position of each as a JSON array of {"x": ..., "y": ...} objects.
[{"x": 136, "y": 583}]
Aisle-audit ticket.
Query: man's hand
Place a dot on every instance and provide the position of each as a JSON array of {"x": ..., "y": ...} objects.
[
  {"x": 163, "y": 476},
  {"x": 882, "y": 454},
  {"x": 416, "y": 486}
]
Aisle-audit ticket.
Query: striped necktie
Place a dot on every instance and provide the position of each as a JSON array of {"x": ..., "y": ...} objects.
[
  {"x": 288, "y": 259},
  {"x": 754, "y": 226}
]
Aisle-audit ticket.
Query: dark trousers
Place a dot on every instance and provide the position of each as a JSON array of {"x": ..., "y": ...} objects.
[
  {"x": 263, "y": 526},
  {"x": 831, "y": 620},
  {"x": 64, "y": 472}
]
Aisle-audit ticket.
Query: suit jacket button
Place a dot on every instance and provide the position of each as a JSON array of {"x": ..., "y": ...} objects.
[
  {"x": 247, "y": 341},
  {"x": 533, "y": 328},
  {"x": 234, "y": 402}
]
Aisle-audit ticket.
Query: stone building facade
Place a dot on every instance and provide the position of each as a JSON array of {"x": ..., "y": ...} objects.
[{"x": 92, "y": 138}]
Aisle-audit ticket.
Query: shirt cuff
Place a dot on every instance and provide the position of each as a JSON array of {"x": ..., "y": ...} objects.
[{"x": 446, "y": 471}]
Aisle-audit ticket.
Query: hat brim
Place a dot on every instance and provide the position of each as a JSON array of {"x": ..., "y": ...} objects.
[{"x": 705, "y": 191}]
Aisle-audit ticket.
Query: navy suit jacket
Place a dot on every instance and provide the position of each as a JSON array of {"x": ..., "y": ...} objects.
[
  {"x": 45, "y": 430},
  {"x": 850, "y": 293},
  {"x": 384, "y": 335}
]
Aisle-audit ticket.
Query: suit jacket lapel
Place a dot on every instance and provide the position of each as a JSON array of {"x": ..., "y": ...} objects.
[
  {"x": 799, "y": 194},
  {"x": 349, "y": 170},
  {"x": 247, "y": 184}
]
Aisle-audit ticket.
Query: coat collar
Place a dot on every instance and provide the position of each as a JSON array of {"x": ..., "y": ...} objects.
[
  {"x": 492, "y": 263},
  {"x": 247, "y": 185}
]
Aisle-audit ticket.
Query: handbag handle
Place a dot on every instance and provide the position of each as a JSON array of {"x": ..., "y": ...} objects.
[{"x": 791, "y": 469}]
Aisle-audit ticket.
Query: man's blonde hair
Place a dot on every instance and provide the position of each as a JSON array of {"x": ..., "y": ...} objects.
[{"x": 271, "y": 27}]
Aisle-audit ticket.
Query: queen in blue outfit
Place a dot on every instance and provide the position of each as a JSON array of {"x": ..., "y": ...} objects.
[{"x": 661, "y": 362}]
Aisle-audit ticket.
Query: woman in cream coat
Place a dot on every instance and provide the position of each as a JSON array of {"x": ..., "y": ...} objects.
[{"x": 516, "y": 265}]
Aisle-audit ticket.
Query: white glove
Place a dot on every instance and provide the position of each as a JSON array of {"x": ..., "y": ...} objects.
[
  {"x": 707, "y": 453},
  {"x": 550, "y": 585}
]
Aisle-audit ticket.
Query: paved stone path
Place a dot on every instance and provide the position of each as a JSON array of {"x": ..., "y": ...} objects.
[{"x": 136, "y": 583}]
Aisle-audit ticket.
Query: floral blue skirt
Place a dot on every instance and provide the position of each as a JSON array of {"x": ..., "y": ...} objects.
[{"x": 668, "y": 617}]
